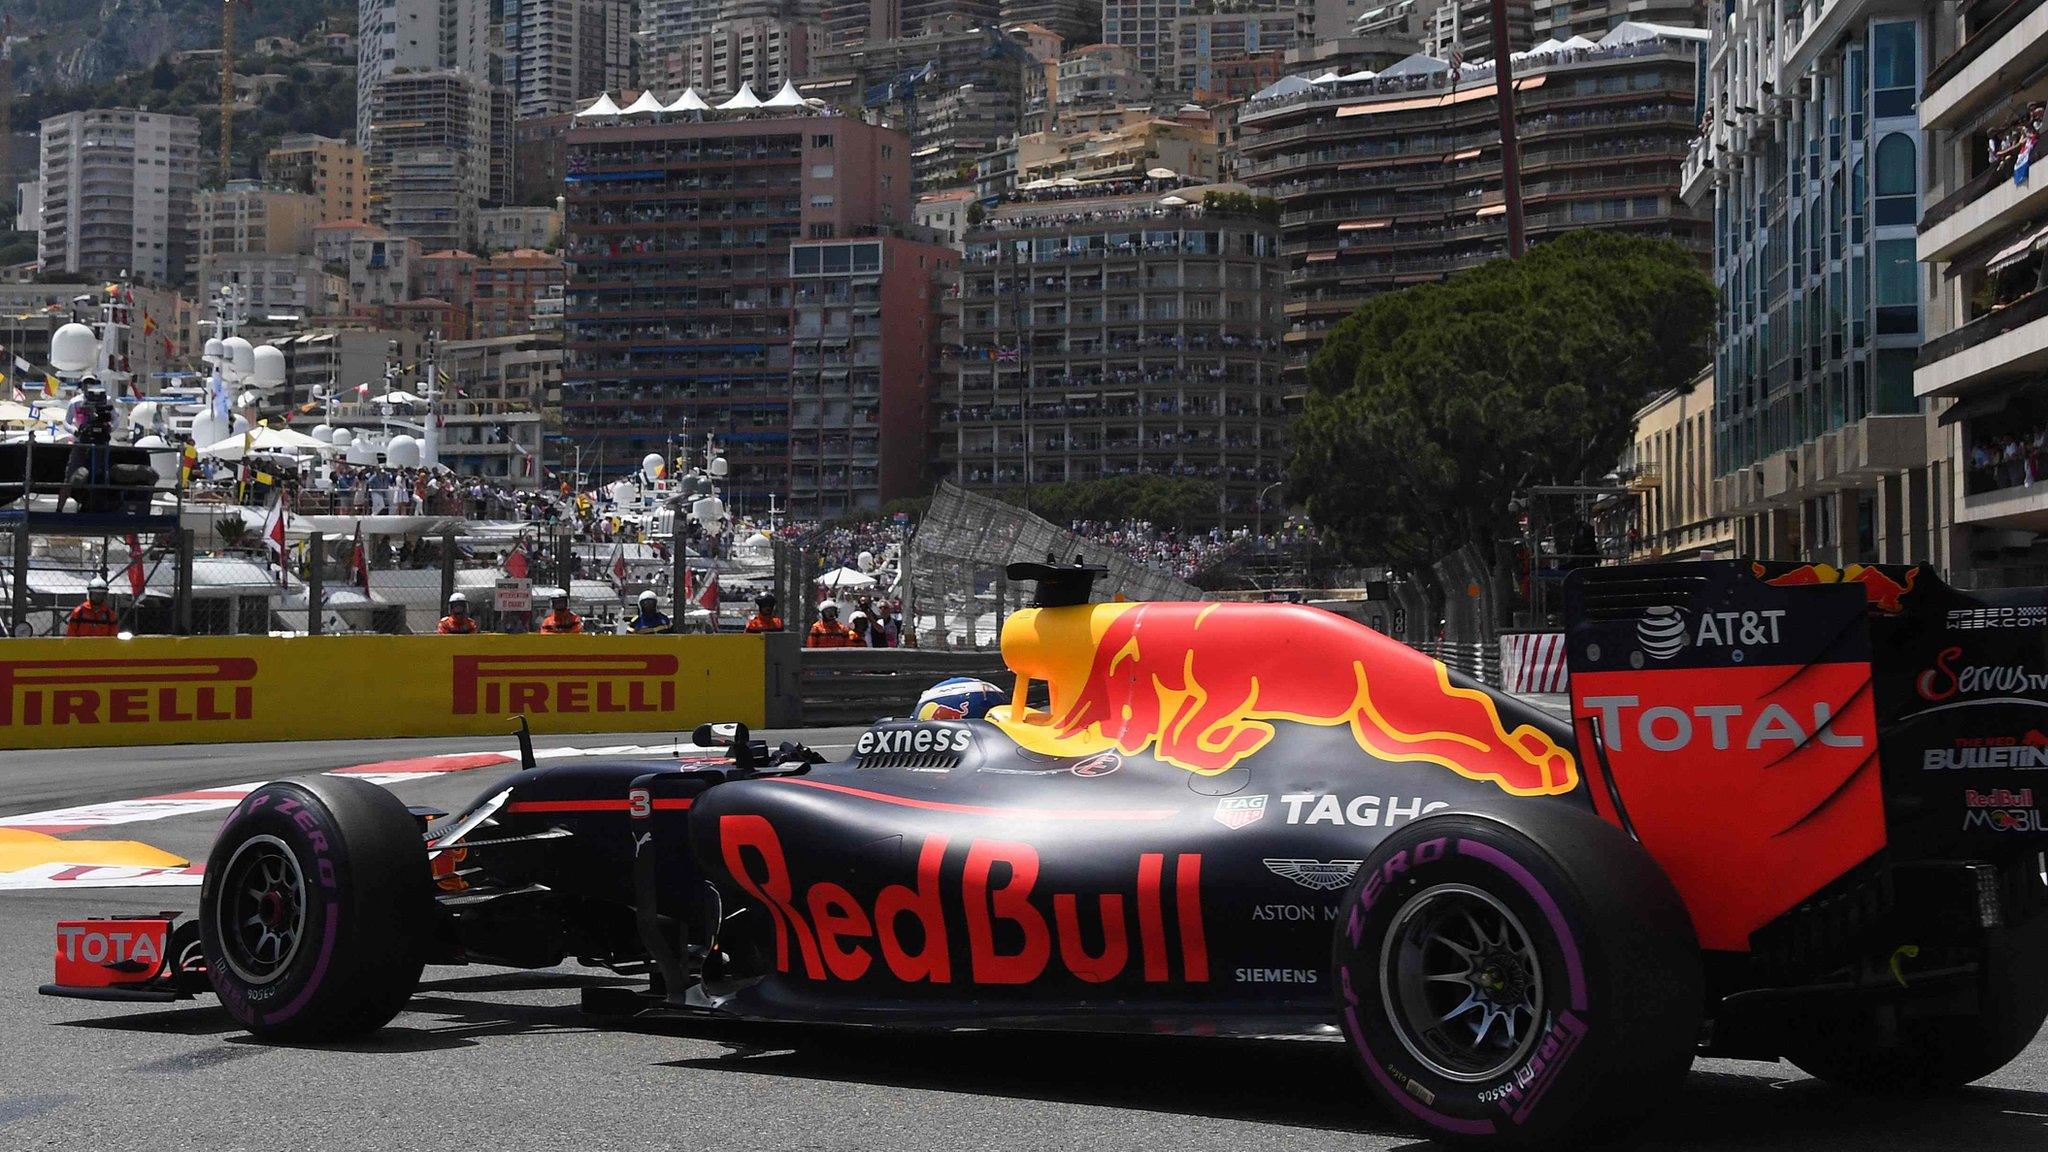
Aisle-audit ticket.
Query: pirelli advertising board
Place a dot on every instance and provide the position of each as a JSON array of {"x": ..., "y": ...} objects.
[{"x": 210, "y": 690}]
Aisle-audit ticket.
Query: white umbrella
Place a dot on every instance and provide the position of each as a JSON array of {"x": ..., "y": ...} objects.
[
  {"x": 844, "y": 578},
  {"x": 1160, "y": 174},
  {"x": 396, "y": 397},
  {"x": 1173, "y": 202},
  {"x": 263, "y": 440},
  {"x": 1066, "y": 182}
]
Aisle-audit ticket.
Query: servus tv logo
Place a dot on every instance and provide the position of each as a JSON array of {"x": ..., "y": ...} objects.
[
  {"x": 57, "y": 693},
  {"x": 568, "y": 685}
]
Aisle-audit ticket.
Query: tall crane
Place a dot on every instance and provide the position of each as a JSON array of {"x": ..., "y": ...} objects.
[{"x": 227, "y": 91}]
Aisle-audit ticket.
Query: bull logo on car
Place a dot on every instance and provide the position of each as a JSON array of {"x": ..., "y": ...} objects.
[{"x": 1201, "y": 686}]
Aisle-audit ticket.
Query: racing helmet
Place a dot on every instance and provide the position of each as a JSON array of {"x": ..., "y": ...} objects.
[
  {"x": 959, "y": 698},
  {"x": 649, "y": 597}
]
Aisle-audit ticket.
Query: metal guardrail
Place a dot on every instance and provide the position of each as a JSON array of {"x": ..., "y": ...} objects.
[
  {"x": 861, "y": 685},
  {"x": 1480, "y": 661}
]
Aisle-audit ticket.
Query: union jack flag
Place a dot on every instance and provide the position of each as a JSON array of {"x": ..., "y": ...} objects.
[{"x": 1006, "y": 355}]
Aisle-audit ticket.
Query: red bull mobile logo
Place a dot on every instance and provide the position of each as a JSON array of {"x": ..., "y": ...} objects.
[
  {"x": 1201, "y": 686},
  {"x": 35, "y": 693},
  {"x": 569, "y": 685}
]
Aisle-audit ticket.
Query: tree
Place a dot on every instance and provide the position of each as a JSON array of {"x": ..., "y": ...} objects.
[{"x": 1429, "y": 409}]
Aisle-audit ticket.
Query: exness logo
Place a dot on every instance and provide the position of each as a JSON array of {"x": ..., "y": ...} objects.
[{"x": 495, "y": 685}]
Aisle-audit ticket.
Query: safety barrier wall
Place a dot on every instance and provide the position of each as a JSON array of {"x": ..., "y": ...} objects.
[
  {"x": 57, "y": 693},
  {"x": 858, "y": 685},
  {"x": 1532, "y": 662}
]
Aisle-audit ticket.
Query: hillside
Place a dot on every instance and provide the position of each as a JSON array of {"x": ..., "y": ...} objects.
[{"x": 73, "y": 43}]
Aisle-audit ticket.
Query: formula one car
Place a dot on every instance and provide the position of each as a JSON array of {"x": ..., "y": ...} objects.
[{"x": 1265, "y": 820}]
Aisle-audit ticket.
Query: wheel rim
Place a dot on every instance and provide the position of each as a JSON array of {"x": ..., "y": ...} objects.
[
  {"x": 1461, "y": 983},
  {"x": 261, "y": 914}
]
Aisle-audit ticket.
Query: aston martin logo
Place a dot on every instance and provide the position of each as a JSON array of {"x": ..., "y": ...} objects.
[{"x": 1321, "y": 875}]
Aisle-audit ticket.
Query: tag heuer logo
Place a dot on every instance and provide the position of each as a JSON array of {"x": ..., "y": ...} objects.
[
  {"x": 1320, "y": 875},
  {"x": 1238, "y": 811}
]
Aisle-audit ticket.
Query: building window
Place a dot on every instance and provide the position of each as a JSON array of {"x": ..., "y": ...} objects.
[
  {"x": 1894, "y": 58},
  {"x": 1896, "y": 180},
  {"x": 1898, "y": 287}
]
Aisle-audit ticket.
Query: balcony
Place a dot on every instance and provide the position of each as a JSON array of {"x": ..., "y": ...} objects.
[
  {"x": 1982, "y": 209},
  {"x": 2001, "y": 346},
  {"x": 1997, "y": 56}
]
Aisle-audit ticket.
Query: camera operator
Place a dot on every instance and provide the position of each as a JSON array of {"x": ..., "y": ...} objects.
[{"x": 95, "y": 431}]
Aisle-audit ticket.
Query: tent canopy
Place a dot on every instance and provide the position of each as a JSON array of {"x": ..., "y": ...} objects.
[
  {"x": 645, "y": 105},
  {"x": 264, "y": 440},
  {"x": 845, "y": 578},
  {"x": 602, "y": 106},
  {"x": 788, "y": 97},
  {"x": 1416, "y": 65},
  {"x": 742, "y": 99},
  {"x": 689, "y": 101}
]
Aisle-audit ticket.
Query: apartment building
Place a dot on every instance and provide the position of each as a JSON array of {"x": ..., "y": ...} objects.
[
  {"x": 333, "y": 171},
  {"x": 1210, "y": 48},
  {"x": 1394, "y": 179},
  {"x": 1985, "y": 228},
  {"x": 507, "y": 289},
  {"x": 1075, "y": 22},
  {"x": 559, "y": 54},
  {"x": 276, "y": 283},
  {"x": 968, "y": 96},
  {"x": 864, "y": 371},
  {"x": 1466, "y": 27},
  {"x": 1116, "y": 335},
  {"x": 117, "y": 195},
  {"x": 759, "y": 52},
  {"x": 1669, "y": 472},
  {"x": 396, "y": 36},
  {"x": 678, "y": 310},
  {"x": 246, "y": 217},
  {"x": 503, "y": 229},
  {"x": 1812, "y": 159},
  {"x": 429, "y": 148}
]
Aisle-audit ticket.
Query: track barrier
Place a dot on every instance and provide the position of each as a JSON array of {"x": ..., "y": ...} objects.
[
  {"x": 1532, "y": 662},
  {"x": 58, "y": 693}
]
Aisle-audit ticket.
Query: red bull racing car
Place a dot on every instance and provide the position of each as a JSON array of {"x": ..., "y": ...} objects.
[{"x": 1792, "y": 815}]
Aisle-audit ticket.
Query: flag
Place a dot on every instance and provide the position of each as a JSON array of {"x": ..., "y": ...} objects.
[
  {"x": 168, "y": 350},
  {"x": 50, "y": 385},
  {"x": 359, "y": 563},
  {"x": 1006, "y": 355},
  {"x": 689, "y": 584},
  {"x": 148, "y": 324},
  {"x": 515, "y": 561},
  {"x": 619, "y": 564},
  {"x": 23, "y": 366},
  {"x": 2025, "y": 161},
  {"x": 707, "y": 596},
  {"x": 188, "y": 459},
  {"x": 137, "y": 578},
  {"x": 273, "y": 534}
]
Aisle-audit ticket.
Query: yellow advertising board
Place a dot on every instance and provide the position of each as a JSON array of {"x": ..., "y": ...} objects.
[{"x": 77, "y": 693}]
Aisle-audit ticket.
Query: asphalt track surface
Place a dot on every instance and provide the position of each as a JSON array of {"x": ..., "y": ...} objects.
[{"x": 486, "y": 1059}]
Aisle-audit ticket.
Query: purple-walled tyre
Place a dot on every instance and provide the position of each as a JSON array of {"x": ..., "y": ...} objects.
[
  {"x": 1525, "y": 986},
  {"x": 316, "y": 909}
]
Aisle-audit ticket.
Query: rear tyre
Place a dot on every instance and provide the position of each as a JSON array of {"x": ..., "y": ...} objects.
[
  {"x": 1517, "y": 986},
  {"x": 316, "y": 909}
]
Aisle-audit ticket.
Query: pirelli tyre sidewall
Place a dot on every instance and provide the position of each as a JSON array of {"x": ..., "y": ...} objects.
[
  {"x": 1578, "y": 939},
  {"x": 315, "y": 909}
]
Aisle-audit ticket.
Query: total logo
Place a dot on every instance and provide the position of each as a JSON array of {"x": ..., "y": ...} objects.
[
  {"x": 1666, "y": 728},
  {"x": 1663, "y": 632}
]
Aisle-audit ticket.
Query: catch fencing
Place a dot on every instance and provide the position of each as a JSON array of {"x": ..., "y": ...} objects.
[{"x": 955, "y": 591}]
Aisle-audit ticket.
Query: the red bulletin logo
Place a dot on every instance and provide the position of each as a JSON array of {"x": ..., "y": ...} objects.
[
  {"x": 565, "y": 684},
  {"x": 59, "y": 693}
]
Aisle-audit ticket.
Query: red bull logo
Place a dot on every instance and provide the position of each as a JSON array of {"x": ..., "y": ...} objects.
[
  {"x": 570, "y": 685},
  {"x": 1885, "y": 594},
  {"x": 34, "y": 693},
  {"x": 1201, "y": 686}
]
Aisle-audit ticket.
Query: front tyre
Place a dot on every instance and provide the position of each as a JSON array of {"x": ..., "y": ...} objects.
[
  {"x": 1517, "y": 986},
  {"x": 316, "y": 909}
]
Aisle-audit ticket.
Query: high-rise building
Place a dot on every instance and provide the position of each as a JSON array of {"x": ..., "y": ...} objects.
[
  {"x": 1812, "y": 163},
  {"x": 1146, "y": 28},
  {"x": 758, "y": 52},
  {"x": 246, "y": 217},
  {"x": 117, "y": 195},
  {"x": 864, "y": 371},
  {"x": 1592, "y": 19},
  {"x": 331, "y": 170},
  {"x": 1984, "y": 224},
  {"x": 508, "y": 285},
  {"x": 1075, "y": 22},
  {"x": 967, "y": 94},
  {"x": 1111, "y": 336},
  {"x": 430, "y": 155},
  {"x": 1466, "y": 27},
  {"x": 667, "y": 25},
  {"x": 394, "y": 36},
  {"x": 678, "y": 312},
  {"x": 560, "y": 54},
  {"x": 275, "y": 283},
  {"x": 494, "y": 428},
  {"x": 1396, "y": 179},
  {"x": 1202, "y": 42}
]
